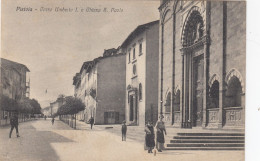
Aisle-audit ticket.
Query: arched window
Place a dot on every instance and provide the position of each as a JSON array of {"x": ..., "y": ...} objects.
[
  {"x": 214, "y": 95},
  {"x": 168, "y": 103},
  {"x": 176, "y": 103},
  {"x": 193, "y": 28},
  {"x": 140, "y": 92},
  {"x": 233, "y": 93}
]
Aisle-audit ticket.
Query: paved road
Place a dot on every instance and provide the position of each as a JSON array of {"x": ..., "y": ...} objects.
[{"x": 41, "y": 141}]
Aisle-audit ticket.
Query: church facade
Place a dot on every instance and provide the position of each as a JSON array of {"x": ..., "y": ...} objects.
[{"x": 202, "y": 60}]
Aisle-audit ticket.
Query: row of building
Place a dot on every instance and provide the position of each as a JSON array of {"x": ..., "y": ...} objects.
[{"x": 188, "y": 66}]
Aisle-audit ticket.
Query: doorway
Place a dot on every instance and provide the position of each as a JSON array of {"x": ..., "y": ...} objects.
[{"x": 198, "y": 77}]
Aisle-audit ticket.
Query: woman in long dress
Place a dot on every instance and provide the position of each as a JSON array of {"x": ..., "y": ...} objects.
[
  {"x": 149, "y": 137},
  {"x": 160, "y": 128}
]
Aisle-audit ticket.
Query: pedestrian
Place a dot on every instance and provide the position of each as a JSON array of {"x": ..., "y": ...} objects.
[
  {"x": 45, "y": 117},
  {"x": 91, "y": 121},
  {"x": 52, "y": 120},
  {"x": 149, "y": 136},
  {"x": 14, "y": 124},
  {"x": 123, "y": 130},
  {"x": 160, "y": 128}
]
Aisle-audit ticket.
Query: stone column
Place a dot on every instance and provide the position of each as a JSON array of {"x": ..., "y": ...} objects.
[
  {"x": 205, "y": 84},
  {"x": 190, "y": 89},
  {"x": 221, "y": 103},
  {"x": 182, "y": 111}
]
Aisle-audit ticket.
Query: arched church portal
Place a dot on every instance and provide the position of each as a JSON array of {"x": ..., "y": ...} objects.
[{"x": 194, "y": 73}]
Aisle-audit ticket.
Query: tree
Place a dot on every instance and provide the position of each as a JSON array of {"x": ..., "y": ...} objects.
[
  {"x": 71, "y": 106},
  {"x": 25, "y": 106},
  {"x": 8, "y": 104},
  {"x": 36, "y": 106}
]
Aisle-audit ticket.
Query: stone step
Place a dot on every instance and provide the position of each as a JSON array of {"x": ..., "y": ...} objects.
[
  {"x": 211, "y": 134},
  {"x": 210, "y": 137},
  {"x": 207, "y": 141},
  {"x": 205, "y": 148},
  {"x": 205, "y": 145}
]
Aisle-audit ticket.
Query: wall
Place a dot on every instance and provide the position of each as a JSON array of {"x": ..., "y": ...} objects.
[
  {"x": 91, "y": 83},
  {"x": 111, "y": 87},
  {"x": 152, "y": 69},
  {"x": 140, "y": 76},
  {"x": 216, "y": 45},
  {"x": 236, "y": 37}
]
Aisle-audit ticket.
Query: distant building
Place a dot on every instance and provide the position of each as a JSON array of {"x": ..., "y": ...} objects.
[
  {"x": 142, "y": 63},
  {"x": 100, "y": 85},
  {"x": 47, "y": 111},
  {"x": 202, "y": 63},
  {"x": 54, "y": 106}
]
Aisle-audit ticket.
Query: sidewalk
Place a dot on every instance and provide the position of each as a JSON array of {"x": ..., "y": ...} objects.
[
  {"x": 137, "y": 133},
  {"x": 107, "y": 147}
]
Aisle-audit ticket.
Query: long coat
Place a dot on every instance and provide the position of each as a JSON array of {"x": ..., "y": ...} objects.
[
  {"x": 14, "y": 121},
  {"x": 149, "y": 137},
  {"x": 160, "y": 129}
]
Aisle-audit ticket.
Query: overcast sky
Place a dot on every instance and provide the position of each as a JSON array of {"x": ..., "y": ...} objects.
[{"x": 54, "y": 45}]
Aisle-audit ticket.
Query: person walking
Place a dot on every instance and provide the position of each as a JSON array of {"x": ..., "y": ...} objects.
[
  {"x": 52, "y": 120},
  {"x": 14, "y": 124},
  {"x": 149, "y": 136},
  {"x": 91, "y": 121},
  {"x": 160, "y": 128},
  {"x": 123, "y": 130}
]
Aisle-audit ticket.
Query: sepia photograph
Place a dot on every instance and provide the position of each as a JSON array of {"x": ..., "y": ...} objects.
[{"x": 123, "y": 80}]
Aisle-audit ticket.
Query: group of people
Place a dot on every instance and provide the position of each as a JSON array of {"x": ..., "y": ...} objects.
[{"x": 152, "y": 139}]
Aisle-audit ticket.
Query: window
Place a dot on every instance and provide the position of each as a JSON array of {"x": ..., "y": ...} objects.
[
  {"x": 214, "y": 95},
  {"x": 140, "y": 92},
  {"x": 233, "y": 94},
  {"x": 140, "y": 49},
  {"x": 168, "y": 103},
  {"x": 134, "y": 69},
  {"x": 133, "y": 53},
  {"x": 129, "y": 57},
  {"x": 176, "y": 101}
]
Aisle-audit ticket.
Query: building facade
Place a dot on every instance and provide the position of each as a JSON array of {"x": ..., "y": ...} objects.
[
  {"x": 14, "y": 79},
  {"x": 54, "y": 106},
  {"x": 102, "y": 82},
  {"x": 141, "y": 48},
  {"x": 202, "y": 63},
  {"x": 46, "y": 111},
  {"x": 15, "y": 83}
]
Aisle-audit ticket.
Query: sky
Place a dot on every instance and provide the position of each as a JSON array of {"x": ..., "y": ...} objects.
[{"x": 54, "y": 45}]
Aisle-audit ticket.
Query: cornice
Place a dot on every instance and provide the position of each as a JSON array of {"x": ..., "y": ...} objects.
[{"x": 204, "y": 40}]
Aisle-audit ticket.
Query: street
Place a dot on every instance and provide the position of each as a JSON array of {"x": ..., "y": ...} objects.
[{"x": 41, "y": 141}]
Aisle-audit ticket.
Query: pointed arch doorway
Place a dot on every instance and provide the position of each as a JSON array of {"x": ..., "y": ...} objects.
[{"x": 194, "y": 72}]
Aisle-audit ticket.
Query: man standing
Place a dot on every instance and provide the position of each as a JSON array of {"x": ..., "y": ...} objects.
[
  {"x": 14, "y": 124},
  {"x": 124, "y": 129},
  {"x": 52, "y": 120},
  {"x": 91, "y": 121}
]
